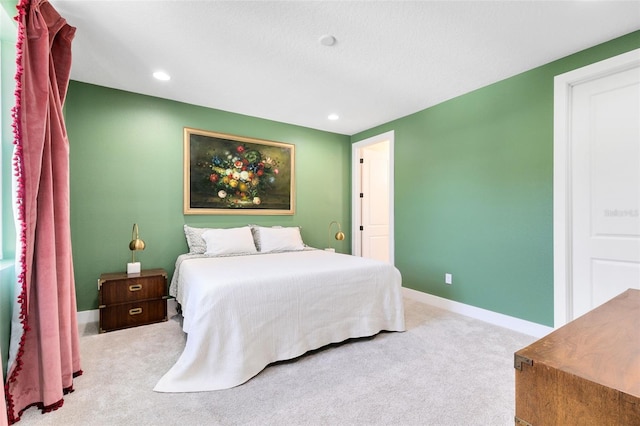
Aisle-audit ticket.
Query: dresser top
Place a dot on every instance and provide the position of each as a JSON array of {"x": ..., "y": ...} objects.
[
  {"x": 123, "y": 275},
  {"x": 603, "y": 345}
]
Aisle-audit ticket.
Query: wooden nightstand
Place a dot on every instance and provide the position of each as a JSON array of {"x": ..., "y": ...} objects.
[{"x": 131, "y": 300}]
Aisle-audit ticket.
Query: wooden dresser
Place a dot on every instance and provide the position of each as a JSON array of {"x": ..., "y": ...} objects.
[
  {"x": 131, "y": 300},
  {"x": 585, "y": 373}
]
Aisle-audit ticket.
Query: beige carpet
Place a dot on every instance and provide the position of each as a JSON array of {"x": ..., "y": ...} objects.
[{"x": 446, "y": 369}]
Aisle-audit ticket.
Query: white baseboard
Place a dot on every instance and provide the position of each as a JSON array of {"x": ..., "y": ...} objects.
[
  {"x": 86, "y": 317},
  {"x": 506, "y": 321}
]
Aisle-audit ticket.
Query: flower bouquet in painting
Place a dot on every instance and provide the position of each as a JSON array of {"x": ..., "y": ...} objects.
[{"x": 228, "y": 174}]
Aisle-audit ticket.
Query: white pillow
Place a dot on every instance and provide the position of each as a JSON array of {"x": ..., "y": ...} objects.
[
  {"x": 280, "y": 239},
  {"x": 223, "y": 241},
  {"x": 194, "y": 239},
  {"x": 255, "y": 230}
]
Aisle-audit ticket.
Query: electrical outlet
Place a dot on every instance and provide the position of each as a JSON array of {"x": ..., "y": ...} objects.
[{"x": 448, "y": 279}]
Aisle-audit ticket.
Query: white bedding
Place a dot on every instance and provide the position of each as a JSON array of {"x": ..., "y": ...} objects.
[{"x": 242, "y": 313}]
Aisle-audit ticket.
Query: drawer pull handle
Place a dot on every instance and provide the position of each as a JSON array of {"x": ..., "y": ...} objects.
[
  {"x": 135, "y": 311},
  {"x": 135, "y": 287}
]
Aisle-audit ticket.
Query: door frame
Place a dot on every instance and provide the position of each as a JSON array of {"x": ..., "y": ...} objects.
[
  {"x": 356, "y": 244},
  {"x": 562, "y": 184}
]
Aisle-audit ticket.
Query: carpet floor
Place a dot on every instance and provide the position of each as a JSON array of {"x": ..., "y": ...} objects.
[{"x": 446, "y": 369}]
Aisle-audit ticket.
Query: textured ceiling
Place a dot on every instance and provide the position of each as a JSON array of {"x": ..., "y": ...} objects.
[{"x": 391, "y": 59}]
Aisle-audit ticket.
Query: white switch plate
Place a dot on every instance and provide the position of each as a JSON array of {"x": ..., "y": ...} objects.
[{"x": 448, "y": 279}]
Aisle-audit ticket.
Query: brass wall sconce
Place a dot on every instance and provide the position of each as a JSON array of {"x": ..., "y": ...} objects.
[{"x": 338, "y": 236}]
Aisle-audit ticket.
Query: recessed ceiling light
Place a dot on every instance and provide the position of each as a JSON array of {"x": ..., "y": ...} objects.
[
  {"x": 333, "y": 116},
  {"x": 327, "y": 40},
  {"x": 161, "y": 75}
]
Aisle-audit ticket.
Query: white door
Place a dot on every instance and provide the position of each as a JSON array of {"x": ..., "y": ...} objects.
[
  {"x": 603, "y": 189},
  {"x": 372, "y": 213},
  {"x": 606, "y": 191},
  {"x": 374, "y": 199}
]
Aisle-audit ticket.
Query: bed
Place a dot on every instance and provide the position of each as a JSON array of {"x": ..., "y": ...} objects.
[{"x": 243, "y": 311}]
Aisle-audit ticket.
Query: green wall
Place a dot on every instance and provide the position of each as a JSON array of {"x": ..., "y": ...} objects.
[
  {"x": 474, "y": 191},
  {"x": 473, "y": 180},
  {"x": 126, "y": 167}
]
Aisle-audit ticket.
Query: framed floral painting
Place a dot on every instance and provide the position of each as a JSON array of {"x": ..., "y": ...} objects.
[{"x": 227, "y": 174}]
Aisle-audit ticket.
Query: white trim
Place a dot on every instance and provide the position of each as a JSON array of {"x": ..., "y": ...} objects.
[
  {"x": 355, "y": 185},
  {"x": 87, "y": 317},
  {"x": 506, "y": 321},
  {"x": 562, "y": 209}
]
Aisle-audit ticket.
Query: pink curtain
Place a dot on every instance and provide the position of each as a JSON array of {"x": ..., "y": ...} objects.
[{"x": 47, "y": 356}]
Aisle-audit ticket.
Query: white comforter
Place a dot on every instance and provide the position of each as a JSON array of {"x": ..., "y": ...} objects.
[{"x": 242, "y": 313}]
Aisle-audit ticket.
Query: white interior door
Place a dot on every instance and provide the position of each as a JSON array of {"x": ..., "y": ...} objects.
[
  {"x": 597, "y": 185},
  {"x": 606, "y": 191},
  {"x": 375, "y": 201},
  {"x": 372, "y": 213}
]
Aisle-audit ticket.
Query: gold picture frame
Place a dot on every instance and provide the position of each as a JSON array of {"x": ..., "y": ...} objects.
[{"x": 233, "y": 175}]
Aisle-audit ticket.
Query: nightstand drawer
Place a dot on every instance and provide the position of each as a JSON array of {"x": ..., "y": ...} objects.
[
  {"x": 132, "y": 289},
  {"x": 132, "y": 314},
  {"x": 128, "y": 300}
]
